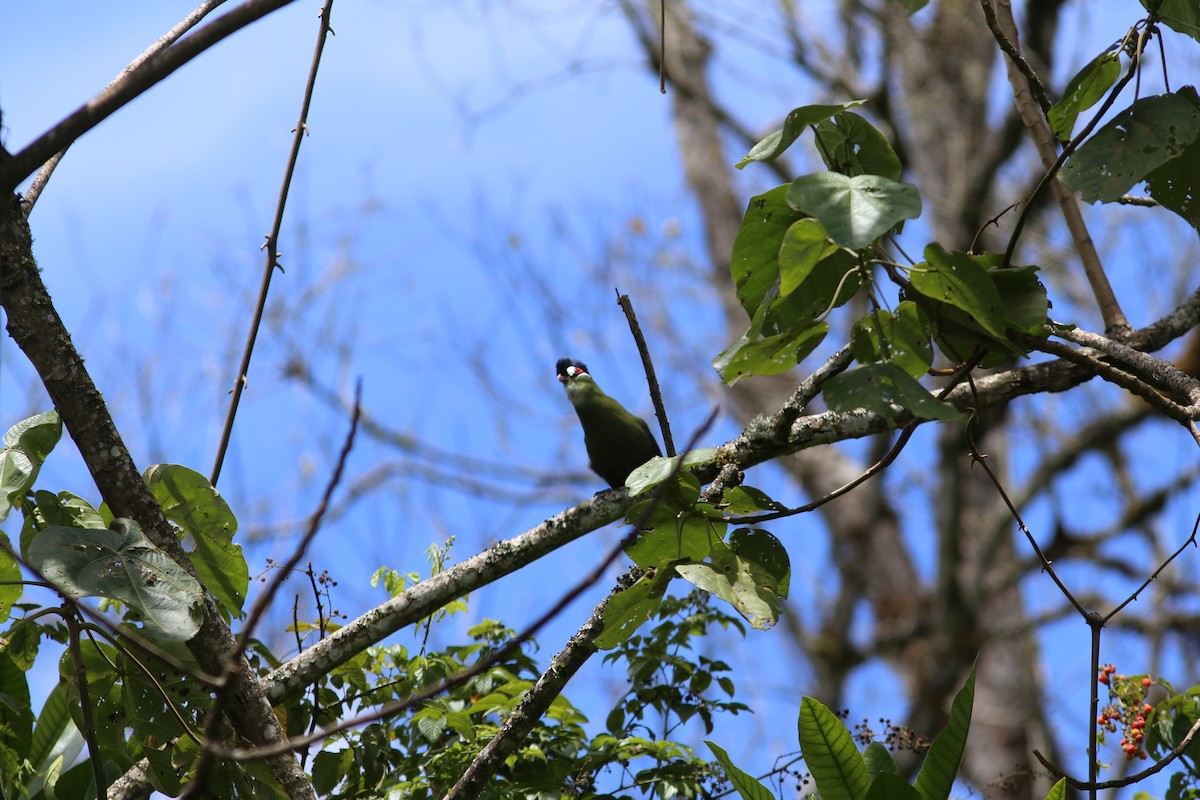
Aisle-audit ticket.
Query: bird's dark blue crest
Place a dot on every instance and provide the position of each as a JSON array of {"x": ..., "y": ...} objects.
[{"x": 560, "y": 367}]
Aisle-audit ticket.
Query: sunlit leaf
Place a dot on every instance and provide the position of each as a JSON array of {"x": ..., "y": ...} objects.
[
  {"x": 854, "y": 210},
  {"x": 121, "y": 564}
]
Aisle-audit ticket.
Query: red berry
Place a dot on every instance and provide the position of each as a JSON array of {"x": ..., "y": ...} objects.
[
  {"x": 1146, "y": 681},
  {"x": 1103, "y": 678}
]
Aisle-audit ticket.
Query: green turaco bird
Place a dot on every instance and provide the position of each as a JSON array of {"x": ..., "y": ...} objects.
[{"x": 617, "y": 441}]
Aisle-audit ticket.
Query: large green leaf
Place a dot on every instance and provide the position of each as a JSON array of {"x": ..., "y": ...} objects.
[
  {"x": 748, "y": 787},
  {"x": 121, "y": 564},
  {"x": 54, "y": 731},
  {"x": 828, "y": 749},
  {"x": 773, "y": 145},
  {"x": 1180, "y": 15},
  {"x": 191, "y": 502},
  {"x": 854, "y": 210},
  {"x": 1130, "y": 146},
  {"x": 1084, "y": 91},
  {"x": 754, "y": 262},
  {"x": 852, "y": 146},
  {"x": 769, "y": 356},
  {"x": 752, "y": 574},
  {"x": 671, "y": 531},
  {"x": 936, "y": 778},
  {"x": 1176, "y": 184},
  {"x": 26, "y": 446},
  {"x": 879, "y": 388},
  {"x": 891, "y": 787},
  {"x": 959, "y": 280}
]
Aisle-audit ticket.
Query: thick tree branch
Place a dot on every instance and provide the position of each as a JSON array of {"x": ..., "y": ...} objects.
[{"x": 35, "y": 326}]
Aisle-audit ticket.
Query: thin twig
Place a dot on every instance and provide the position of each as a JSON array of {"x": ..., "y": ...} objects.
[
  {"x": 166, "y": 40},
  {"x": 1035, "y": 84},
  {"x": 85, "y": 705},
  {"x": 660, "y": 410},
  {"x": 979, "y": 459},
  {"x": 1190, "y": 540},
  {"x": 1128, "y": 780},
  {"x": 103, "y": 105},
  {"x": 272, "y": 244}
]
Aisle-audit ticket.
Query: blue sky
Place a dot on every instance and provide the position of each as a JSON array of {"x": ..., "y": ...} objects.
[{"x": 446, "y": 141}]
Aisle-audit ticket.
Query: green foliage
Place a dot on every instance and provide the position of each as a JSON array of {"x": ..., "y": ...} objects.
[
  {"x": 1151, "y": 132},
  {"x": 841, "y": 772},
  {"x": 854, "y": 210},
  {"x": 797, "y": 120},
  {"x": 26, "y": 446},
  {"x": 121, "y": 564},
  {"x": 678, "y": 535},
  {"x": 203, "y": 516},
  {"x": 421, "y": 751},
  {"x": 1083, "y": 91}
]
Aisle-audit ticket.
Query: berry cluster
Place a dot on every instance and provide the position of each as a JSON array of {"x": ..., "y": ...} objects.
[{"x": 1127, "y": 708}]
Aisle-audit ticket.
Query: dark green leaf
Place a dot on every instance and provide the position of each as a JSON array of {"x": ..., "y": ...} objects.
[
  {"x": 768, "y": 559},
  {"x": 672, "y": 532},
  {"x": 121, "y": 564},
  {"x": 852, "y": 146},
  {"x": 880, "y": 386},
  {"x": 1179, "y": 15},
  {"x": 804, "y": 244},
  {"x": 1023, "y": 296},
  {"x": 855, "y": 211},
  {"x": 937, "y": 774},
  {"x": 747, "y": 500},
  {"x": 832, "y": 282},
  {"x": 887, "y": 786},
  {"x": 959, "y": 280},
  {"x": 769, "y": 356},
  {"x": 1084, "y": 91},
  {"x": 626, "y": 610},
  {"x": 797, "y": 120},
  {"x": 1176, "y": 184},
  {"x": 902, "y": 338},
  {"x": 828, "y": 749},
  {"x": 1130, "y": 146},
  {"x": 755, "y": 258},
  {"x": 748, "y": 787},
  {"x": 52, "y": 721}
]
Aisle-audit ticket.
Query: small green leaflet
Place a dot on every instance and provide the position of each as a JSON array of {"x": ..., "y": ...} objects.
[
  {"x": 1083, "y": 92},
  {"x": 774, "y": 144},
  {"x": 880, "y": 387}
]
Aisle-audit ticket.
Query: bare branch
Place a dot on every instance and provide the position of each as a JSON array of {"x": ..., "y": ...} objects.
[{"x": 125, "y": 89}]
